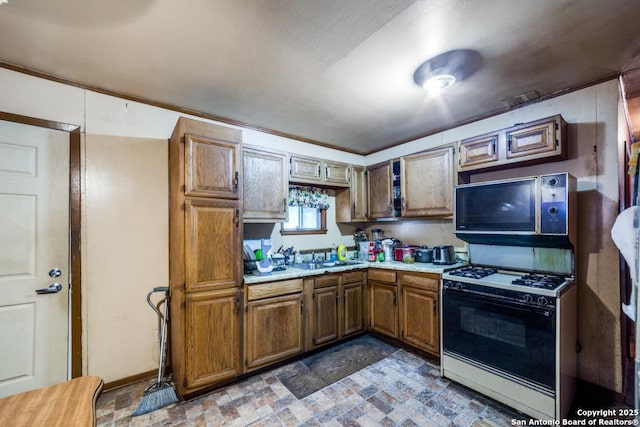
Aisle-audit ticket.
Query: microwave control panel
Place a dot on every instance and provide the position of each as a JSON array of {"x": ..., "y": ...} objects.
[{"x": 553, "y": 204}]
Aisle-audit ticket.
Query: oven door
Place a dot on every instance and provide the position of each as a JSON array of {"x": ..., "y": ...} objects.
[{"x": 507, "y": 338}]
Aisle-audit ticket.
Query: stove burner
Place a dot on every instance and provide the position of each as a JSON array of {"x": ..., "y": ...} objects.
[
  {"x": 473, "y": 272},
  {"x": 546, "y": 281}
]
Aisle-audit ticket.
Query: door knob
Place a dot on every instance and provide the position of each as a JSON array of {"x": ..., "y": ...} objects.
[{"x": 52, "y": 289}]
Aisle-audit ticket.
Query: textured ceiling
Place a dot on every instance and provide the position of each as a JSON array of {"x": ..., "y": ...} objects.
[{"x": 338, "y": 72}]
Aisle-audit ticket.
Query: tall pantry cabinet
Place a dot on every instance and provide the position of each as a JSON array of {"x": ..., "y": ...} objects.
[{"x": 205, "y": 267}]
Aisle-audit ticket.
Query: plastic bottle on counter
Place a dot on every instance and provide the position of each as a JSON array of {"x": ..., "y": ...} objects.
[
  {"x": 333, "y": 256},
  {"x": 297, "y": 258}
]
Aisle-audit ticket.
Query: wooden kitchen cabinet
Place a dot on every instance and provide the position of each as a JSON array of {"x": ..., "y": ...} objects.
[
  {"x": 265, "y": 185},
  {"x": 338, "y": 174},
  {"x": 337, "y": 306},
  {"x": 352, "y": 204},
  {"x": 212, "y": 167},
  {"x": 212, "y": 340},
  {"x": 383, "y": 302},
  {"x": 273, "y": 330},
  {"x": 419, "y": 318},
  {"x": 427, "y": 181},
  {"x": 539, "y": 141},
  {"x": 535, "y": 140},
  {"x": 352, "y": 303},
  {"x": 325, "y": 313},
  {"x": 309, "y": 170},
  {"x": 212, "y": 242},
  {"x": 479, "y": 150},
  {"x": 380, "y": 178},
  {"x": 205, "y": 255}
]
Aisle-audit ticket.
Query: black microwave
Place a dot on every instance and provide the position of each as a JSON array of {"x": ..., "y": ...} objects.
[{"x": 532, "y": 211}]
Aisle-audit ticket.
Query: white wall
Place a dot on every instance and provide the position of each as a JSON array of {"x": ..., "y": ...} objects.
[{"x": 124, "y": 186}]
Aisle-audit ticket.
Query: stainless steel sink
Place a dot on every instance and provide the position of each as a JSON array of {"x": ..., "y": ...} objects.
[{"x": 324, "y": 264}]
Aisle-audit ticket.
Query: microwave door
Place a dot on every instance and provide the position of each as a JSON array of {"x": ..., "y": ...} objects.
[{"x": 507, "y": 207}]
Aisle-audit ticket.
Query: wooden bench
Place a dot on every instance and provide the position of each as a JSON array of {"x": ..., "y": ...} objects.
[{"x": 71, "y": 403}]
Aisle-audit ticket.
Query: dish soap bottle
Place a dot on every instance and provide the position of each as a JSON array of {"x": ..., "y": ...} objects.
[{"x": 333, "y": 256}]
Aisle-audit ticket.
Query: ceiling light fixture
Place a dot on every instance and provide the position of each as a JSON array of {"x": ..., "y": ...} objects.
[{"x": 442, "y": 71}]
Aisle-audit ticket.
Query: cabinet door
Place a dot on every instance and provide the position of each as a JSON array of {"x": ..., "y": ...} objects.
[
  {"x": 352, "y": 309},
  {"x": 359, "y": 194},
  {"x": 273, "y": 330},
  {"x": 419, "y": 318},
  {"x": 265, "y": 185},
  {"x": 305, "y": 169},
  {"x": 482, "y": 150},
  {"x": 352, "y": 205},
  {"x": 384, "y": 308},
  {"x": 427, "y": 183},
  {"x": 212, "y": 332},
  {"x": 337, "y": 174},
  {"x": 211, "y": 168},
  {"x": 533, "y": 140},
  {"x": 213, "y": 255},
  {"x": 380, "y": 181},
  {"x": 325, "y": 315}
]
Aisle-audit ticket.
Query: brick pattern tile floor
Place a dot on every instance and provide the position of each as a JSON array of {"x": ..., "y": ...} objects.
[{"x": 400, "y": 390}]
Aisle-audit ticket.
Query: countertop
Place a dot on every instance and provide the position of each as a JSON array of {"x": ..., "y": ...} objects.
[{"x": 294, "y": 273}]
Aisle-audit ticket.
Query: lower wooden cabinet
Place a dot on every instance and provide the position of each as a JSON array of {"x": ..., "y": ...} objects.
[
  {"x": 352, "y": 311},
  {"x": 383, "y": 312},
  {"x": 338, "y": 301},
  {"x": 419, "y": 322},
  {"x": 325, "y": 314},
  {"x": 212, "y": 339},
  {"x": 419, "y": 312},
  {"x": 273, "y": 330}
]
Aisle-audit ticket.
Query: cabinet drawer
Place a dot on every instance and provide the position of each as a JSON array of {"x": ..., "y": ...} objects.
[
  {"x": 382, "y": 275},
  {"x": 325, "y": 280},
  {"x": 266, "y": 290},
  {"x": 427, "y": 281},
  {"x": 352, "y": 277}
]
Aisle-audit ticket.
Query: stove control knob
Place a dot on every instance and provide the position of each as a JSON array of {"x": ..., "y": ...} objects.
[
  {"x": 527, "y": 299},
  {"x": 458, "y": 286},
  {"x": 447, "y": 284},
  {"x": 542, "y": 301}
]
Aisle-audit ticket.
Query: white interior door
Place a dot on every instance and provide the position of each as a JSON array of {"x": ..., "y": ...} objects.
[{"x": 34, "y": 242}]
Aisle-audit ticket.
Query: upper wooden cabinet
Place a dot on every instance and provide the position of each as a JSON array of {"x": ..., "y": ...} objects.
[
  {"x": 526, "y": 143},
  {"x": 380, "y": 178},
  {"x": 265, "y": 185},
  {"x": 352, "y": 204},
  {"x": 427, "y": 181},
  {"x": 212, "y": 167},
  {"x": 308, "y": 170}
]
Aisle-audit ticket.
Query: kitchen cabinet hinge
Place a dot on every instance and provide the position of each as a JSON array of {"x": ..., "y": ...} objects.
[
  {"x": 557, "y": 142},
  {"x": 184, "y": 286},
  {"x": 509, "y": 143},
  {"x": 557, "y": 125},
  {"x": 246, "y": 309},
  {"x": 246, "y": 363},
  {"x": 183, "y": 188}
]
